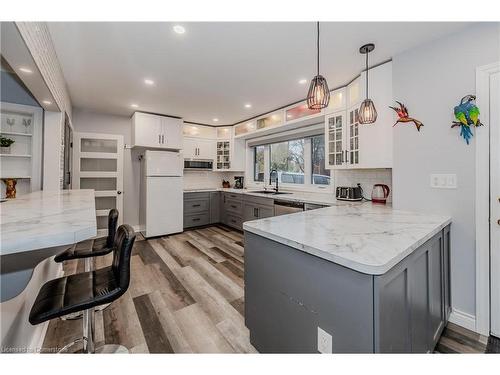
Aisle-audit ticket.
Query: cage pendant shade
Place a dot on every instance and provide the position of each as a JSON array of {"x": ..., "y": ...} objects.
[
  {"x": 318, "y": 95},
  {"x": 367, "y": 112}
]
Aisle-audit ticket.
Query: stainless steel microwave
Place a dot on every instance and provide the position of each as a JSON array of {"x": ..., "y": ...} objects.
[{"x": 198, "y": 164}]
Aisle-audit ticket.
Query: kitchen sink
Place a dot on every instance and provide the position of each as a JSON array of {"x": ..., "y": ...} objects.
[{"x": 269, "y": 192}]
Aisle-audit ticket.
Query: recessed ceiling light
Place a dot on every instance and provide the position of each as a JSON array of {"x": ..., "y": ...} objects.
[
  {"x": 248, "y": 105},
  {"x": 149, "y": 82},
  {"x": 179, "y": 29},
  {"x": 26, "y": 70},
  {"x": 134, "y": 105},
  {"x": 48, "y": 102},
  {"x": 303, "y": 81},
  {"x": 215, "y": 120}
]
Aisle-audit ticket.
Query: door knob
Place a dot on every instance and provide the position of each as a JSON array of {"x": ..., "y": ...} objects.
[
  {"x": 118, "y": 192},
  {"x": 498, "y": 221}
]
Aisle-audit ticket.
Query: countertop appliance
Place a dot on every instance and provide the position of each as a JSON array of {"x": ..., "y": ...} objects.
[
  {"x": 284, "y": 207},
  {"x": 380, "y": 192},
  {"x": 238, "y": 182},
  {"x": 161, "y": 193},
  {"x": 199, "y": 164},
  {"x": 346, "y": 193}
]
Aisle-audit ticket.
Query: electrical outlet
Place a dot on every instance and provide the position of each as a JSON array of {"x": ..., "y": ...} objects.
[
  {"x": 324, "y": 341},
  {"x": 443, "y": 181}
]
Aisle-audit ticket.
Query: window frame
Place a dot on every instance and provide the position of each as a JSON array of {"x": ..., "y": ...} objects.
[{"x": 307, "y": 185}]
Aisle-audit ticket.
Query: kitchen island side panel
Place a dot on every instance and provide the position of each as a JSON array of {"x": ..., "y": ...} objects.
[{"x": 289, "y": 294}]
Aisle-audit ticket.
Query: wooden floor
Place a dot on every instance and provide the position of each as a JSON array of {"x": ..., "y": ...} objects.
[{"x": 186, "y": 296}]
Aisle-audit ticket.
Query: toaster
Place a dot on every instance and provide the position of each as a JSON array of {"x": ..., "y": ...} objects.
[{"x": 345, "y": 193}]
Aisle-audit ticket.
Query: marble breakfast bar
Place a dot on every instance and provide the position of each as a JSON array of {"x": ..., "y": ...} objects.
[
  {"x": 374, "y": 278},
  {"x": 33, "y": 228}
]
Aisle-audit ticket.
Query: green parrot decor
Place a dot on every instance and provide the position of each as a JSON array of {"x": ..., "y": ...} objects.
[{"x": 467, "y": 115}]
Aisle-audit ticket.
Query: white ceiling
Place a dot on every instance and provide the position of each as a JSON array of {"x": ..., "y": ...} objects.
[{"x": 213, "y": 69}]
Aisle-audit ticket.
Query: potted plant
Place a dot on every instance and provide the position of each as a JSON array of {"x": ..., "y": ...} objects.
[{"x": 5, "y": 144}]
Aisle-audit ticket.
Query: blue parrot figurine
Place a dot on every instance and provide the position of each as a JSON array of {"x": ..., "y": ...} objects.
[{"x": 467, "y": 115}]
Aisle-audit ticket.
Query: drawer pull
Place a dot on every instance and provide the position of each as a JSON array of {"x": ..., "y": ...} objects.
[
  {"x": 233, "y": 206},
  {"x": 196, "y": 205},
  {"x": 196, "y": 219}
]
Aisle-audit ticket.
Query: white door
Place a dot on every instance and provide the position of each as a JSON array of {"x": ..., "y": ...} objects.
[
  {"x": 98, "y": 165},
  {"x": 206, "y": 149},
  {"x": 494, "y": 128},
  {"x": 148, "y": 130},
  {"x": 190, "y": 148},
  {"x": 335, "y": 128}
]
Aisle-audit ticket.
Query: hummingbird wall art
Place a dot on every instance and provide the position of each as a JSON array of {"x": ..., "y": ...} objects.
[
  {"x": 404, "y": 117},
  {"x": 467, "y": 116}
]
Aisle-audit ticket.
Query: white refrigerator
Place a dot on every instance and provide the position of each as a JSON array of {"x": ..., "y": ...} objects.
[{"x": 161, "y": 193}]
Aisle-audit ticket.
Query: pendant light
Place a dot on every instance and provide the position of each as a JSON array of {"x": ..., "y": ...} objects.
[
  {"x": 367, "y": 111},
  {"x": 318, "y": 95}
]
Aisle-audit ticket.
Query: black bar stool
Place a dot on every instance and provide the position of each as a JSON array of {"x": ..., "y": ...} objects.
[
  {"x": 100, "y": 247},
  {"x": 87, "y": 290}
]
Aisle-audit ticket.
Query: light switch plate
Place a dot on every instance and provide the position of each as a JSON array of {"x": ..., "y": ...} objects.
[
  {"x": 324, "y": 342},
  {"x": 443, "y": 181}
]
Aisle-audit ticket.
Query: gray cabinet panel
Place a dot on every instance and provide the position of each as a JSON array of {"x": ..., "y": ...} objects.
[
  {"x": 196, "y": 205},
  {"x": 234, "y": 207},
  {"x": 215, "y": 207},
  {"x": 196, "y": 220},
  {"x": 197, "y": 195},
  {"x": 289, "y": 293},
  {"x": 266, "y": 212},
  {"x": 234, "y": 221}
]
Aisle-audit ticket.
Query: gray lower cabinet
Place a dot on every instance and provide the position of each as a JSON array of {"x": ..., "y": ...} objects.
[
  {"x": 289, "y": 294},
  {"x": 215, "y": 205},
  {"x": 257, "y": 208},
  {"x": 196, "y": 209},
  {"x": 232, "y": 207}
]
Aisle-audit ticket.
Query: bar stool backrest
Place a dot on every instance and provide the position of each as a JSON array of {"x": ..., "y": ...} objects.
[
  {"x": 122, "y": 253},
  {"x": 112, "y": 224}
]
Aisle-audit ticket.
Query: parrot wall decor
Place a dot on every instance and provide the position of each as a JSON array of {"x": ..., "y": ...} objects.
[
  {"x": 403, "y": 116},
  {"x": 467, "y": 115}
]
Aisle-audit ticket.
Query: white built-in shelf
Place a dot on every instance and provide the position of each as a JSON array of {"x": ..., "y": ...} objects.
[
  {"x": 16, "y": 155},
  {"x": 15, "y": 133}
]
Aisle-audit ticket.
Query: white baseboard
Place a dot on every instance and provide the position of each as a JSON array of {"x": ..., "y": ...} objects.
[
  {"x": 138, "y": 228},
  {"x": 463, "y": 319}
]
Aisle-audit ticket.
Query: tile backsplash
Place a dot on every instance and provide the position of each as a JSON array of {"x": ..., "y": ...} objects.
[
  {"x": 366, "y": 177},
  {"x": 207, "y": 179}
]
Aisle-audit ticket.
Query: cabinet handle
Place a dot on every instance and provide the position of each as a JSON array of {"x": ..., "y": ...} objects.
[
  {"x": 162, "y": 139},
  {"x": 346, "y": 156},
  {"x": 196, "y": 219},
  {"x": 159, "y": 138},
  {"x": 256, "y": 212},
  {"x": 196, "y": 205}
]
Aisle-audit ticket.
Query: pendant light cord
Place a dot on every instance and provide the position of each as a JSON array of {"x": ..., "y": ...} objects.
[
  {"x": 317, "y": 45},
  {"x": 367, "y": 75}
]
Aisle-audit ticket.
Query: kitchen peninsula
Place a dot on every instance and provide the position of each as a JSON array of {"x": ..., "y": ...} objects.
[{"x": 348, "y": 278}]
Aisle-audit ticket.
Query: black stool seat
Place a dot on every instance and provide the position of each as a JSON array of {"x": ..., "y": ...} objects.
[
  {"x": 100, "y": 246},
  {"x": 83, "y": 250},
  {"x": 86, "y": 290},
  {"x": 74, "y": 293}
]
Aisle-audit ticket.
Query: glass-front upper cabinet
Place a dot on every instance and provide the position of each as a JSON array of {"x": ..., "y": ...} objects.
[
  {"x": 223, "y": 155},
  {"x": 335, "y": 139},
  {"x": 353, "y": 137},
  {"x": 224, "y": 132},
  {"x": 337, "y": 101},
  {"x": 245, "y": 128},
  {"x": 270, "y": 120},
  {"x": 300, "y": 111}
]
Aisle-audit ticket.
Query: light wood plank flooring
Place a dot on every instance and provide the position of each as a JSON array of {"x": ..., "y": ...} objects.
[{"x": 186, "y": 296}]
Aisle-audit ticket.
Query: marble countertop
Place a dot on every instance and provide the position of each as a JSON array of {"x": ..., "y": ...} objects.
[
  {"x": 327, "y": 199},
  {"x": 366, "y": 237},
  {"x": 46, "y": 219}
]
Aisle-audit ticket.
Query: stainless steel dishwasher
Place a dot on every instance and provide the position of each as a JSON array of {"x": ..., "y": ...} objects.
[{"x": 284, "y": 207}]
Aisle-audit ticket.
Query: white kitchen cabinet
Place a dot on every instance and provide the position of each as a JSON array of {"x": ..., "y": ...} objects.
[
  {"x": 155, "y": 131},
  {"x": 351, "y": 145},
  {"x": 337, "y": 101},
  {"x": 230, "y": 151},
  {"x": 198, "y": 148}
]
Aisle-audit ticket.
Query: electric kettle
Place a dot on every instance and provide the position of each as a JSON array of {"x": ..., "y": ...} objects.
[{"x": 380, "y": 192}]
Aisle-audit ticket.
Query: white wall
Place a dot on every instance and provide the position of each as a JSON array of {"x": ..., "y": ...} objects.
[
  {"x": 366, "y": 177},
  {"x": 431, "y": 79},
  {"x": 85, "y": 121}
]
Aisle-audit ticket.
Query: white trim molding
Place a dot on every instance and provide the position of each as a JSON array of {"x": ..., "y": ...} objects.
[
  {"x": 463, "y": 319},
  {"x": 482, "y": 211}
]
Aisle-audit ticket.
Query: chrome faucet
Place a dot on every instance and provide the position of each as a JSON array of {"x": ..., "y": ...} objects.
[{"x": 270, "y": 178}]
